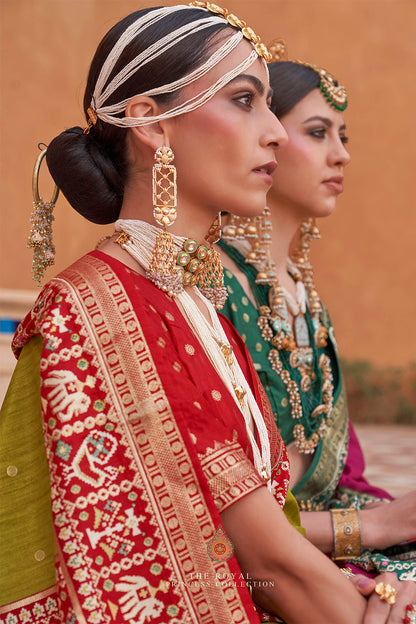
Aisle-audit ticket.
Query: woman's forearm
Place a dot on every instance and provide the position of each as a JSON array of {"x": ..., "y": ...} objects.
[
  {"x": 318, "y": 528},
  {"x": 290, "y": 576},
  {"x": 382, "y": 525},
  {"x": 316, "y": 591},
  {"x": 374, "y": 532}
]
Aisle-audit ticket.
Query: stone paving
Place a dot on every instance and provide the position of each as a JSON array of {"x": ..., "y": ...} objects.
[{"x": 390, "y": 455}]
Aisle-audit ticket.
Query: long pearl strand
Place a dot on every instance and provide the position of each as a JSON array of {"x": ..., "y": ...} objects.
[{"x": 139, "y": 245}]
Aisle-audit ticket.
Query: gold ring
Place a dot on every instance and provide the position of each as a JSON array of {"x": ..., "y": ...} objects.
[{"x": 386, "y": 592}]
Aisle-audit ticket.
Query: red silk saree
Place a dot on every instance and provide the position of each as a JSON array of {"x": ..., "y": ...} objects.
[{"x": 145, "y": 447}]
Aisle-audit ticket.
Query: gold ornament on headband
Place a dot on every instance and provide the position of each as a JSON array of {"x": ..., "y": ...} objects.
[
  {"x": 92, "y": 120},
  {"x": 278, "y": 50},
  {"x": 40, "y": 237},
  {"x": 333, "y": 92},
  {"x": 236, "y": 22}
]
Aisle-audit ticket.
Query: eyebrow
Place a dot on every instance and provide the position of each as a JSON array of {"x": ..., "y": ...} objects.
[
  {"x": 325, "y": 120},
  {"x": 257, "y": 84}
]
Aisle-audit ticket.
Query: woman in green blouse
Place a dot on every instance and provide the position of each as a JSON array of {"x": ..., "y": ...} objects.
[{"x": 275, "y": 307}]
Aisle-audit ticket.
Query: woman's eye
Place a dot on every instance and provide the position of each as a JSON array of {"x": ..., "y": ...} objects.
[
  {"x": 344, "y": 139},
  {"x": 318, "y": 133},
  {"x": 246, "y": 99}
]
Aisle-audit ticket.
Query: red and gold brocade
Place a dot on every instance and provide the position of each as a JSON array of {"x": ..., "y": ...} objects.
[{"x": 145, "y": 448}]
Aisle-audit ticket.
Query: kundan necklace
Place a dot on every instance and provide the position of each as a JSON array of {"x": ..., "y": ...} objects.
[
  {"x": 274, "y": 322},
  {"x": 138, "y": 239}
]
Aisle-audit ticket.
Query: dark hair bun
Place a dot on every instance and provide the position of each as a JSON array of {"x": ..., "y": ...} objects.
[{"x": 87, "y": 175}]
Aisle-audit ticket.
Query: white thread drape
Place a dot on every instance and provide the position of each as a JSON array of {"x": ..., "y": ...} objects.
[
  {"x": 211, "y": 336},
  {"x": 110, "y": 114}
]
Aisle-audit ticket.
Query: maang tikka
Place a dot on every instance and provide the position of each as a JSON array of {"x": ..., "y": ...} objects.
[{"x": 163, "y": 271}]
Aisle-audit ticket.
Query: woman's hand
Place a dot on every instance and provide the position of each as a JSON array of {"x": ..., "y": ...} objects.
[
  {"x": 379, "y": 611},
  {"x": 383, "y": 524},
  {"x": 292, "y": 578},
  {"x": 389, "y": 523}
]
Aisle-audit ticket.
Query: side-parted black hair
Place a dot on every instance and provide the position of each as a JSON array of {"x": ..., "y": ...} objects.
[
  {"x": 91, "y": 169},
  {"x": 290, "y": 82}
]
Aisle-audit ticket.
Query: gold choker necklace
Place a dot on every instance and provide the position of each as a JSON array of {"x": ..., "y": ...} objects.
[{"x": 192, "y": 264}]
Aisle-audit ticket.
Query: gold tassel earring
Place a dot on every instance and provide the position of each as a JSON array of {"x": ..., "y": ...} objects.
[
  {"x": 163, "y": 271},
  {"x": 40, "y": 237},
  {"x": 211, "y": 277}
]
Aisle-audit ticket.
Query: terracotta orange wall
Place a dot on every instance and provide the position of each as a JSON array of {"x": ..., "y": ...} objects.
[{"x": 365, "y": 263}]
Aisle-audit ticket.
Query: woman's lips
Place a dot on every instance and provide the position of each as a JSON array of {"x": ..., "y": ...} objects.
[
  {"x": 265, "y": 171},
  {"x": 335, "y": 183}
]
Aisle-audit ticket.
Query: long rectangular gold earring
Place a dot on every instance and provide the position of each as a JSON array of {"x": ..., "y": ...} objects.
[{"x": 163, "y": 270}]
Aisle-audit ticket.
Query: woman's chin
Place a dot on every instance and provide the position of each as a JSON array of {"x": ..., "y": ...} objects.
[
  {"x": 251, "y": 207},
  {"x": 323, "y": 210}
]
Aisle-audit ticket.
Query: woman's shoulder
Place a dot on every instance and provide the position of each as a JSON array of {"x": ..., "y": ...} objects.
[{"x": 93, "y": 289}]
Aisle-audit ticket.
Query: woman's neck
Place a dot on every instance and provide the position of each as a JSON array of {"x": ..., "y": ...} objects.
[{"x": 285, "y": 226}]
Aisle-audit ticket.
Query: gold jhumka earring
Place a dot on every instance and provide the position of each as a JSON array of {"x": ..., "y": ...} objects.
[
  {"x": 239, "y": 228},
  {"x": 163, "y": 271},
  {"x": 40, "y": 237}
]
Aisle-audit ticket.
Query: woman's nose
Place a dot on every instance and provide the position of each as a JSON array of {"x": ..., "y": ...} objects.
[
  {"x": 340, "y": 154},
  {"x": 276, "y": 134}
]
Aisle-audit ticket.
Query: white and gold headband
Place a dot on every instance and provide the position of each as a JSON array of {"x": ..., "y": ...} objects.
[{"x": 109, "y": 114}]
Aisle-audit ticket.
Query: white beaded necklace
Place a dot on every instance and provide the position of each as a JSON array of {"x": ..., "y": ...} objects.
[{"x": 211, "y": 336}]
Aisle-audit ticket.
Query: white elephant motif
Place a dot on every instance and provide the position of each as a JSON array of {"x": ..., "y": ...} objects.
[
  {"x": 66, "y": 396},
  {"x": 138, "y": 601}
]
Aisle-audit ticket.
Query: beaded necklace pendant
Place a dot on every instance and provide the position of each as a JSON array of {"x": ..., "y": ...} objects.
[{"x": 300, "y": 328}]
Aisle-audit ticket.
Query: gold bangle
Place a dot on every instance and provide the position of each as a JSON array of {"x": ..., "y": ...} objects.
[{"x": 347, "y": 533}]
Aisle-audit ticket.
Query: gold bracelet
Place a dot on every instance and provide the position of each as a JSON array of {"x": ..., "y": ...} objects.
[{"x": 347, "y": 533}]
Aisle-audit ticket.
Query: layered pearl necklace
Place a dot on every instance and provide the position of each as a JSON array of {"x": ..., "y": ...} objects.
[
  {"x": 301, "y": 358},
  {"x": 138, "y": 239}
]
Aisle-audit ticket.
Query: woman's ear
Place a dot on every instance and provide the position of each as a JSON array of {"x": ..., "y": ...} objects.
[{"x": 153, "y": 134}]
